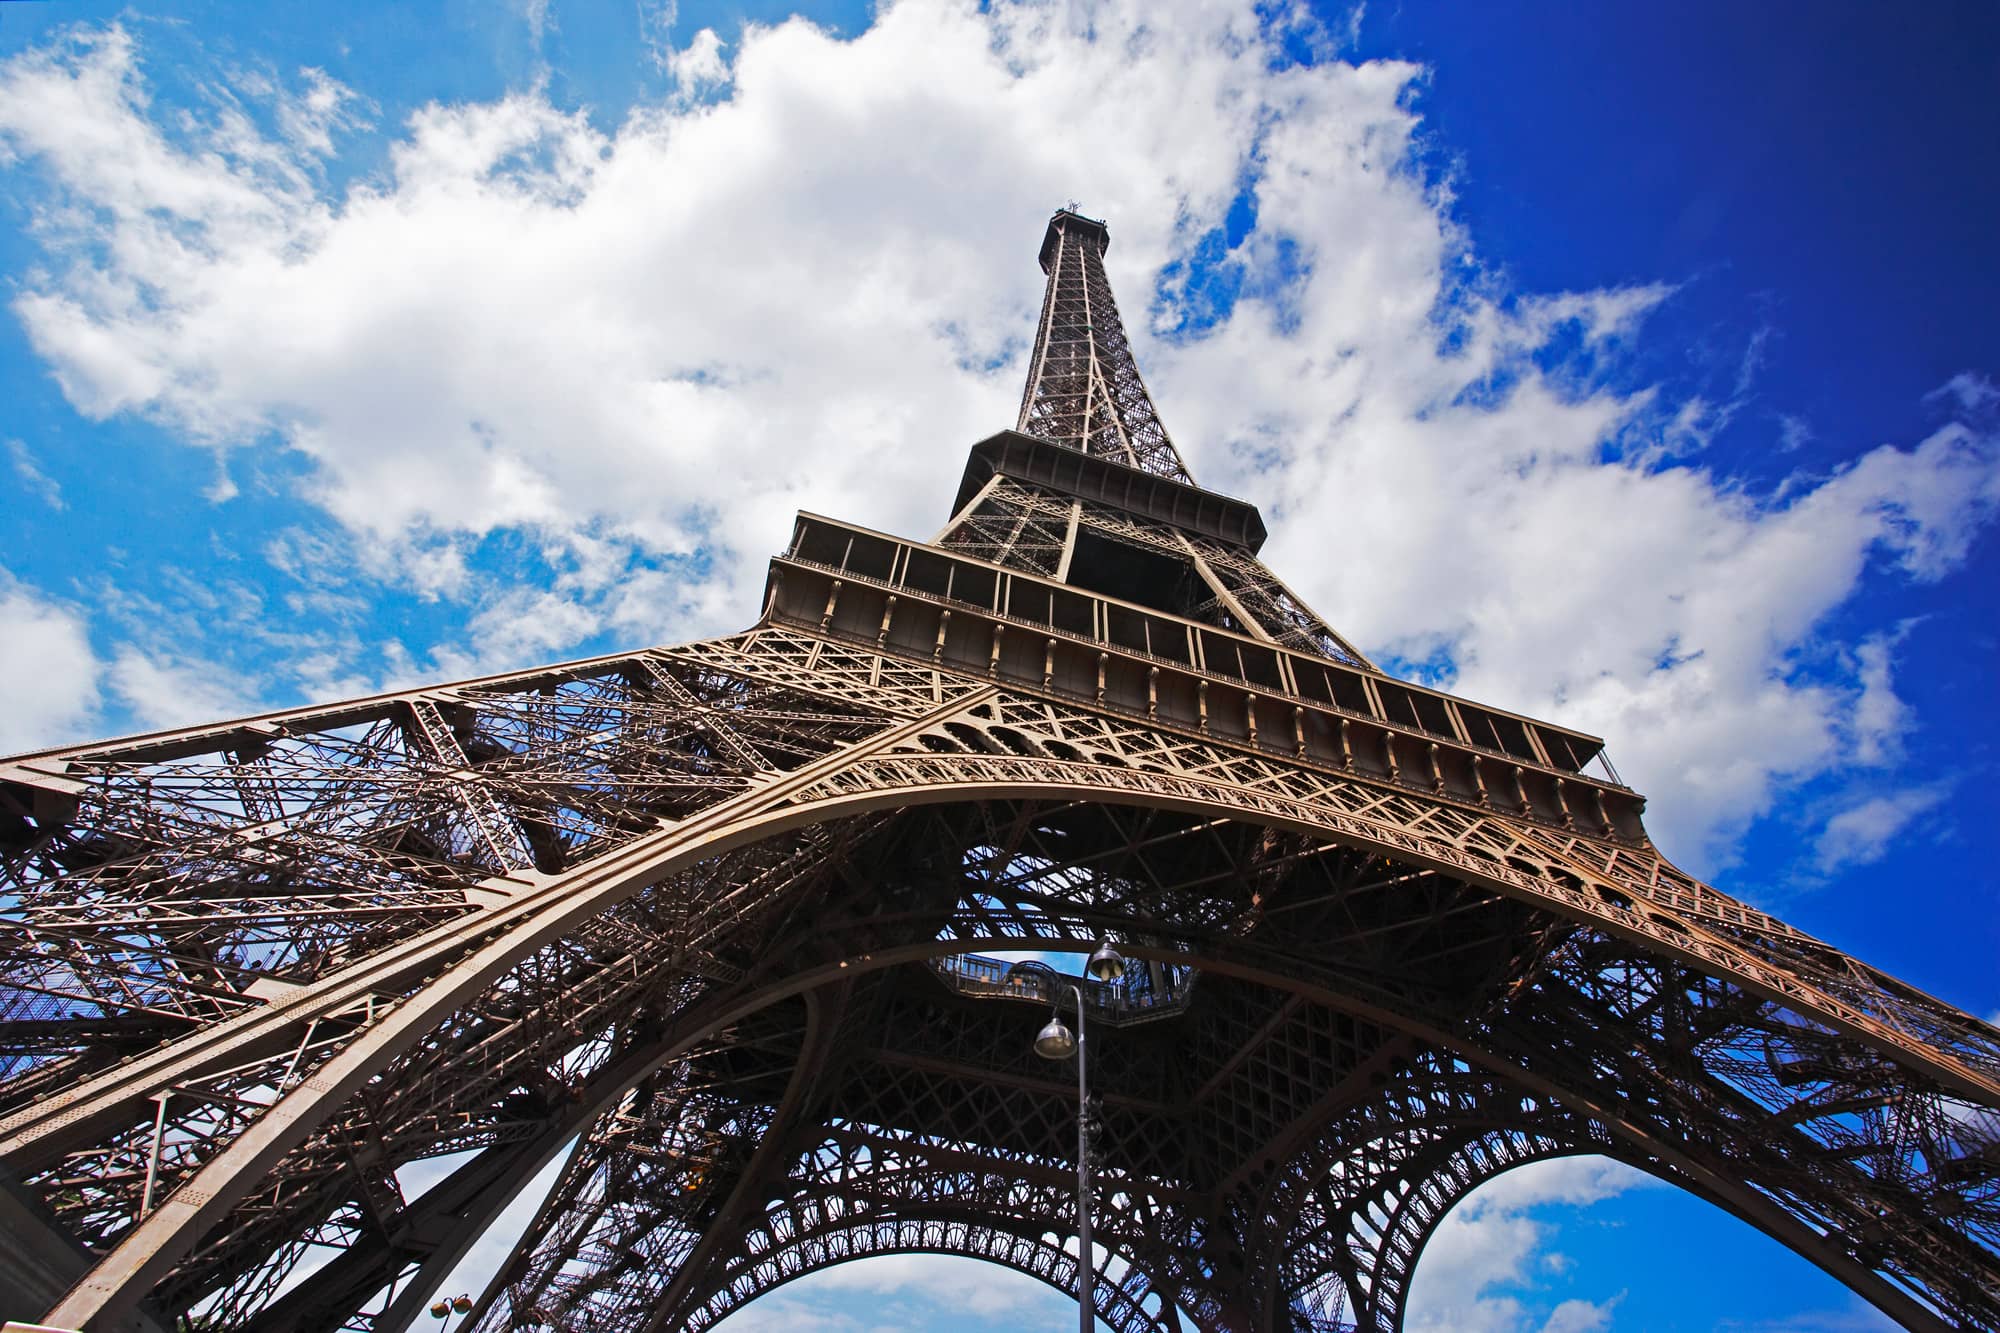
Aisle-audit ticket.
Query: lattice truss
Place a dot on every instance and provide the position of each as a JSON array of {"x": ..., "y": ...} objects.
[
  {"x": 1021, "y": 526},
  {"x": 696, "y": 923},
  {"x": 1083, "y": 386}
]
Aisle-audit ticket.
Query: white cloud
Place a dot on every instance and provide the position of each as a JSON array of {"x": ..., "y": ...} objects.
[
  {"x": 1577, "y": 1181},
  {"x": 812, "y": 289},
  {"x": 167, "y": 691},
  {"x": 1856, "y": 1317},
  {"x": 791, "y": 1312},
  {"x": 987, "y": 1287},
  {"x": 1861, "y": 833},
  {"x": 1654, "y": 603},
  {"x": 320, "y": 109},
  {"x": 50, "y": 670},
  {"x": 1580, "y": 1317},
  {"x": 536, "y": 14},
  {"x": 907, "y": 1293},
  {"x": 1794, "y": 432},
  {"x": 32, "y": 478},
  {"x": 700, "y": 66},
  {"x": 1879, "y": 717},
  {"x": 1492, "y": 1241},
  {"x": 656, "y": 26}
]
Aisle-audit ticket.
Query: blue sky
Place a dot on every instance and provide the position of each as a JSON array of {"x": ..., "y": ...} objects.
[{"x": 1634, "y": 368}]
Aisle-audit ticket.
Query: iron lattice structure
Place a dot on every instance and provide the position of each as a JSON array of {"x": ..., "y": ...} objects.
[{"x": 705, "y": 925}]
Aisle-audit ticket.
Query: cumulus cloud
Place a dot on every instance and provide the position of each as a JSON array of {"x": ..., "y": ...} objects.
[
  {"x": 637, "y": 348},
  {"x": 50, "y": 670},
  {"x": 1580, "y": 1317},
  {"x": 1545, "y": 542},
  {"x": 1494, "y": 1245}
]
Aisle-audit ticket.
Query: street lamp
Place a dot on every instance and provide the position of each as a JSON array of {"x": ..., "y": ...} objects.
[
  {"x": 1056, "y": 1042},
  {"x": 445, "y": 1309}
]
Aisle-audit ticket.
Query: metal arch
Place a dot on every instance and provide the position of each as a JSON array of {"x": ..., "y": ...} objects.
[
  {"x": 1050, "y": 1264},
  {"x": 1339, "y": 1214},
  {"x": 1084, "y": 757},
  {"x": 734, "y": 1212},
  {"x": 903, "y": 767},
  {"x": 1403, "y": 1176},
  {"x": 1792, "y": 1237},
  {"x": 913, "y": 1207},
  {"x": 1038, "y": 777},
  {"x": 1450, "y": 1177},
  {"x": 1600, "y": 1146},
  {"x": 1467, "y": 1183},
  {"x": 1382, "y": 1297}
]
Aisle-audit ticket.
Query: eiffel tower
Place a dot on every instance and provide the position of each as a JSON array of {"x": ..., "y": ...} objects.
[{"x": 709, "y": 930}]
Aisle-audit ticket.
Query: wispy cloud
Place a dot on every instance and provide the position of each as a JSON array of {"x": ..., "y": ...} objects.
[
  {"x": 1880, "y": 719},
  {"x": 166, "y": 691},
  {"x": 656, "y": 29},
  {"x": 35, "y": 481},
  {"x": 1862, "y": 832},
  {"x": 1854, "y": 1318}
]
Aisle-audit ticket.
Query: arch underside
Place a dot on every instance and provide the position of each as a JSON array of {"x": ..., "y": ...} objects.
[
  {"x": 710, "y": 960},
  {"x": 1305, "y": 1290},
  {"x": 1040, "y": 1257},
  {"x": 1349, "y": 1217}
]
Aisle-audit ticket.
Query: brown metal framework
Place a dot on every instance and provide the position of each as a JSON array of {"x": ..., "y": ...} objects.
[{"x": 706, "y": 923}]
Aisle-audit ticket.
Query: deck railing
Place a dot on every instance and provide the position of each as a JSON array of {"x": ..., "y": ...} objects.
[{"x": 1143, "y": 994}]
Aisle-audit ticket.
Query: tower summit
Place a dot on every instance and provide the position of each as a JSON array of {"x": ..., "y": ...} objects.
[
  {"x": 705, "y": 924},
  {"x": 1131, "y": 523},
  {"x": 1083, "y": 385}
]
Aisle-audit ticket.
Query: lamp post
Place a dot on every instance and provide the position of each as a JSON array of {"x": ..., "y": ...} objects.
[
  {"x": 1057, "y": 1042},
  {"x": 445, "y": 1309}
]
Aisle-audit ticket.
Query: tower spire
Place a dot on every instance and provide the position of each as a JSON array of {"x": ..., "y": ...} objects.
[{"x": 1083, "y": 387}]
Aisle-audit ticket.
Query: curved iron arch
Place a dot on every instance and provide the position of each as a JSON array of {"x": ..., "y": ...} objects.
[
  {"x": 1052, "y": 1265},
  {"x": 877, "y": 780},
  {"x": 1376, "y": 1160}
]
